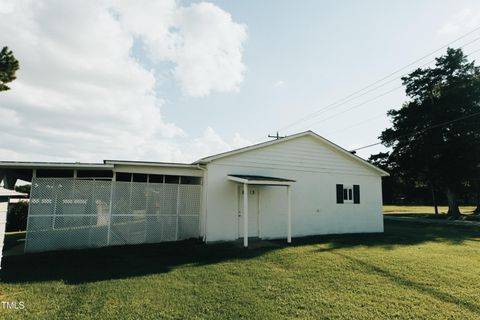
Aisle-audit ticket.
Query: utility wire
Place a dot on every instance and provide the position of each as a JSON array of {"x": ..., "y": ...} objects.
[
  {"x": 342, "y": 100},
  {"x": 353, "y": 107},
  {"x": 380, "y": 114},
  {"x": 423, "y": 130},
  {"x": 323, "y": 110},
  {"x": 358, "y": 123},
  {"x": 374, "y": 98}
]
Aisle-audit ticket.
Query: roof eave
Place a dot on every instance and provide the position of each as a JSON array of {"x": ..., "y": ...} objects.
[
  {"x": 151, "y": 164},
  {"x": 49, "y": 165},
  {"x": 260, "y": 182},
  {"x": 209, "y": 159}
]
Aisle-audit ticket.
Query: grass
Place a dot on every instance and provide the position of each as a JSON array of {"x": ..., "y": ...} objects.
[
  {"x": 412, "y": 271},
  {"x": 423, "y": 209},
  {"x": 429, "y": 212}
]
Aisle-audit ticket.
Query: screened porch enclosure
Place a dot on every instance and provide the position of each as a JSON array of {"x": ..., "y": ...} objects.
[{"x": 71, "y": 213}]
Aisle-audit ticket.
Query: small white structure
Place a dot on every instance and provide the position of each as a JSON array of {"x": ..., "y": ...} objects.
[
  {"x": 295, "y": 186},
  {"x": 5, "y": 195}
]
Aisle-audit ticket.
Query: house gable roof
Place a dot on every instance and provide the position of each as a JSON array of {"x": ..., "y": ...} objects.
[{"x": 334, "y": 146}]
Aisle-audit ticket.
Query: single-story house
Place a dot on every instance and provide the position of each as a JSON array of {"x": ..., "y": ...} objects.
[{"x": 295, "y": 186}]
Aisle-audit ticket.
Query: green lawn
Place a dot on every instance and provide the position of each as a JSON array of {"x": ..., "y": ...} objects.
[
  {"x": 423, "y": 209},
  {"x": 411, "y": 272}
]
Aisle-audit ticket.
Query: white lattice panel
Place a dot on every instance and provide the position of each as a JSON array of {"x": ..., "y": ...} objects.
[{"x": 70, "y": 214}]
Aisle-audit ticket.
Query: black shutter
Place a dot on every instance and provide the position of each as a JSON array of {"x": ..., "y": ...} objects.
[
  {"x": 339, "y": 193},
  {"x": 356, "y": 193}
]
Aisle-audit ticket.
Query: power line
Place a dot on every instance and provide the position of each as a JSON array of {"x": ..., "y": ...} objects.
[
  {"x": 358, "y": 123},
  {"x": 342, "y": 100},
  {"x": 378, "y": 115},
  {"x": 354, "y": 107},
  {"x": 374, "y": 98},
  {"x": 354, "y": 94},
  {"x": 323, "y": 110},
  {"x": 423, "y": 130},
  {"x": 365, "y": 147}
]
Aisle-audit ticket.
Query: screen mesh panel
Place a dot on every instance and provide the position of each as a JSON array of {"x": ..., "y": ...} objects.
[{"x": 70, "y": 214}]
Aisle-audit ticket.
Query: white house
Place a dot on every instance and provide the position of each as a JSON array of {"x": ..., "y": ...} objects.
[{"x": 295, "y": 186}]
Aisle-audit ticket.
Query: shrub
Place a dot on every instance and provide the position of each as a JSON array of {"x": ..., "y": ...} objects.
[{"x": 17, "y": 216}]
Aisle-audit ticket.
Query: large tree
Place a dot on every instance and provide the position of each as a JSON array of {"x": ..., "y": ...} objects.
[
  {"x": 435, "y": 135},
  {"x": 8, "y": 67}
]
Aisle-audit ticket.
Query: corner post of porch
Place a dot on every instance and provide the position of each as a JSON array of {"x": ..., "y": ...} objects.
[
  {"x": 3, "y": 222},
  {"x": 289, "y": 214},
  {"x": 112, "y": 186},
  {"x": 245, "y": 215}
]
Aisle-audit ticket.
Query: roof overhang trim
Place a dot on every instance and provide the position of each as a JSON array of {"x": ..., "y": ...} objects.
[
  {"x": 151, "y": 164},
  {"x": 53, "y": 165},
  {"x": 263, "y": 182},
  {"x": 335, "y": 147}
]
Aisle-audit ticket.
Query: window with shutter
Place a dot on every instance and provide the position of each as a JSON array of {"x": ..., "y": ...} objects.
[
  {"x": 356, "y": 193},
  {"x": 340, "y": 193},
  {"x": 348, "y": 194}
]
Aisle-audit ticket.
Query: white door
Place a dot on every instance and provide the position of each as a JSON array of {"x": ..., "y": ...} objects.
[{"x": 253, "y": 208}]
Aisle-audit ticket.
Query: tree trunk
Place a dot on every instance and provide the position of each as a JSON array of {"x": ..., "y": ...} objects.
[
  {"x": 476, "y": 183},
  {"x": 434, "y": 200},
  {"x": 452, "y": 204},
  {"x": 477, "y": 210}
]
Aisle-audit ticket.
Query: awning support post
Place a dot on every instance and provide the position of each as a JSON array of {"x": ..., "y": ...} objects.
[
  {"x": 245, "y": 215},
  {"x": 289, "y": 214}
]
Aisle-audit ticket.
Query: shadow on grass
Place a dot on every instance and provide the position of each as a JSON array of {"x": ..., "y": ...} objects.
[
  {"x": 82, "y": 266},
  {"x": 13, "y": 243},
  {"x": 410, "y": 284},
  {"x": 406, "y": 233}
]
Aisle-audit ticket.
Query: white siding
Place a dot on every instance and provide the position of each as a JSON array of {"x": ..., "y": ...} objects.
[
  {"x": 317, "y": 168},
  {"x": 305, "y": 153}
]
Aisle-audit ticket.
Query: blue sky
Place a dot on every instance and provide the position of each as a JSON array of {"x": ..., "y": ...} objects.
[
  {"x": 289, "y": 59},
  {"x": 321, "y": 51}
]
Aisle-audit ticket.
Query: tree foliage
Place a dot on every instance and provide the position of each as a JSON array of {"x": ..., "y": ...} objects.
[
  {"x": 8, "y": 67},
  {"x": 435, "y": 136},
  {"x": 17, "y": 216},
  {"x": 24, "y": 188}
]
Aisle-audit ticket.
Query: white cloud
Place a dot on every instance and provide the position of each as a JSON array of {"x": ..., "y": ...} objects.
[
  {"x": 210, "y": 54},
  {"x": 279, "y": 84},
  {"x": 240, "y": 142},
  {"x": 81, "y": 95},
  {"x": 461, "y": 22},
  {"x": 201, "y": 39},
  {"x": 211, "y": 143}
]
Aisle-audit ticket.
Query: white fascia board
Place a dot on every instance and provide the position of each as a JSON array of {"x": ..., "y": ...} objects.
[
  {"x": 301, "y": 134},
  {"x": 54, "y": 165},
  {"x": 151, "y": 164},
  {"x": 235, "y": 179},
  {"x": 351, "y": 155},
  {"x": 11, "y": 193}
]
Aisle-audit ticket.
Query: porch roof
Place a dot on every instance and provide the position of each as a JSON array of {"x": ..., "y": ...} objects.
[
  {"x": 260, "y": 180},
  {"x": 6, "y": 193}
]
